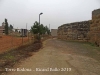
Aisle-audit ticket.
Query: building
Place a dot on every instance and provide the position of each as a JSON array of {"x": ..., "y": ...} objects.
[
  {"x": 24, "y": 32},
  {"x": 2, "y": 29},
  {"x": 54, "y": 32}
]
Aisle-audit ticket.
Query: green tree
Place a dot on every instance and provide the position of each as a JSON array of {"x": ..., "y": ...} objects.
[
  {"x": 35, "y": 28},
  {"x": 47, "y": 30},
  {"x": 39, "y": 29},
  {"x": 42, "y": 29},
  {"x": 6, "y": 27},
  {"x": 10, "y": 27}
]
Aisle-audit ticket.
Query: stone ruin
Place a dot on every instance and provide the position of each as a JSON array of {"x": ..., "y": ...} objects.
[
  {"x": 84, "y": 30},
  {"x": 74, "y": 31},
  {"x": 94, "y": 33}
]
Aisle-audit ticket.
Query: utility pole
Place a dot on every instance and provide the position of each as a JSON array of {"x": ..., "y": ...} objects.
[
  {"x": 22, "y": 35},
  {"x": 39, "y": 25},
  {"x": 26, "y": 25},
  {"x": 12, "y": 36},
  {"x": 26, "y": 30},
  {"x": 49, "y": 26},
  {"x": 49, "y": 29},
  {"x": 39, "y": 17}
]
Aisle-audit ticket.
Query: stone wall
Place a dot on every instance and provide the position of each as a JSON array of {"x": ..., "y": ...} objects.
[
  {"x": 94, "y": 34},
  {"x": 85, "y": 30},
  {"x": 74, "y": 31}
]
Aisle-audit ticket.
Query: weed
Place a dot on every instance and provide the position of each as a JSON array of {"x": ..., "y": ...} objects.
[{"x": 9, "y": 56}]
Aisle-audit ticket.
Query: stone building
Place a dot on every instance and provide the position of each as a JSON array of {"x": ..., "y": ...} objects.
[{"x": 74, "y": 31}]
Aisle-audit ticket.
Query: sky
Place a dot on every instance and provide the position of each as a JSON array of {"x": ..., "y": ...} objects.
[{"x": 55, "y": 12}]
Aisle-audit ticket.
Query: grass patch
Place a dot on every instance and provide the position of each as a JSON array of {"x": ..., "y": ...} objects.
[
  {"x": 83, "y": 48},
  {"x": 9, "y": 56}
]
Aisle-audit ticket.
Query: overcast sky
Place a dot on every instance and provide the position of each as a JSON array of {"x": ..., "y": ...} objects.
[{"x": 55, "y": 12}]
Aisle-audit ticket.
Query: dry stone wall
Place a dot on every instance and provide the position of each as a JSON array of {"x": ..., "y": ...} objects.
[
  {"x": 74, "y": 31},
  {"x": 84, "y": 30},
  {"x": 94, "y": 34}
]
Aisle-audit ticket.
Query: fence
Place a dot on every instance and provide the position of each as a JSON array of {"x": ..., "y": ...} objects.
[{"x": 8, "y": 42}]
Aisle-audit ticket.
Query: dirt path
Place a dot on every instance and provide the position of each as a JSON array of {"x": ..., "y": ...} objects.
[{"x": 60, "y": 58}]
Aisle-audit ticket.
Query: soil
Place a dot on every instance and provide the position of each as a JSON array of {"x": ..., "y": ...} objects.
[
  {"x": 12, "y": 57},
  {"x": 60, "y": 57}
]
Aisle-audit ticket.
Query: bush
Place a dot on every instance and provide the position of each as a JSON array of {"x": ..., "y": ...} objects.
[{"x": 37, "y": 37}]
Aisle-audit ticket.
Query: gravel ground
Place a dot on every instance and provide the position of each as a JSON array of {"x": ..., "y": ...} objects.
[{"x": 59, "y": 57}]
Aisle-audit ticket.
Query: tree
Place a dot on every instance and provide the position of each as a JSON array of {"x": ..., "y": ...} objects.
[
  {"x": 10, "y": 27},
  {"x": 42, "y": 29},
  {"x": 47, "y": 30},
  {"x": 6, "y": 27},
  {"x": 35, "y": 28},
  {"x": 39, "y": 29}
]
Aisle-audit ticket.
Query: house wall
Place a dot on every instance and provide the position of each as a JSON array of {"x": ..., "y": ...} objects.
[
  {"x": 53, "y": 32},
  {"x": 2, "y": 29}
]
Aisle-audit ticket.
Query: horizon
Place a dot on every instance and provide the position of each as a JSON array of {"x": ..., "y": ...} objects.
[{"x": 55, "y": 12}]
